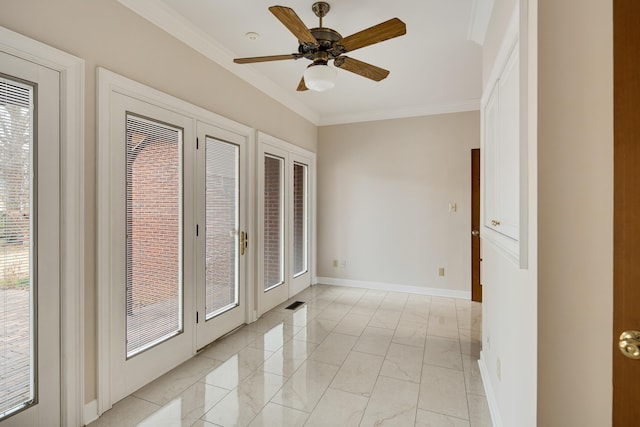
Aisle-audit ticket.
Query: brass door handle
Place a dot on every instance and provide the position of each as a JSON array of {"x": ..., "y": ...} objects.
[
  {"x": 629, "y": 344},
  {"x": 244, "y": 239},
  {"x": 475, "y": 233}
]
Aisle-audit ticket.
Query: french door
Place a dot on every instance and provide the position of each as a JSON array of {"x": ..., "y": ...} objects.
[
  {"x": 222, "y": 237},
  {"x": 29, "y": 243},
  {"x": 152, "y": 260},
  {"x": 173, "y": 226},
  {"x": 284, "y": 218}
]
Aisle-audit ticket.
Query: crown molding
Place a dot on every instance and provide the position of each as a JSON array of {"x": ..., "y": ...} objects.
[{"x": 403, "y": 112}]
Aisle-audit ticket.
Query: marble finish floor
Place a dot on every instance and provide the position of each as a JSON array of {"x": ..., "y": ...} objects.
[{"x": 348, "y": 357}]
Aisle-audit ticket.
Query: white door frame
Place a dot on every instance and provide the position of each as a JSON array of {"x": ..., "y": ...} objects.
[{"x": 71, "y": 71}]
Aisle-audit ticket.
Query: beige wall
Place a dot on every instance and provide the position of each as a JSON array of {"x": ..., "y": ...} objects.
[
  {"x": 106, "y": 34},
  {"x": 576, "y": 212},
  {"x": 384, "y": 190}
]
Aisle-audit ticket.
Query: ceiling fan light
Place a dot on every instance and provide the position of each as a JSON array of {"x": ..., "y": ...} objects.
[{"x": 320, "y": 77}]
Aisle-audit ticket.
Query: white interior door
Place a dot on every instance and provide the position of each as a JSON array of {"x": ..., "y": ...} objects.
[
  {"x": 29, "y": 243},
  {"x": 222, "y": 237},
  {"x": 152, "y": 258}
]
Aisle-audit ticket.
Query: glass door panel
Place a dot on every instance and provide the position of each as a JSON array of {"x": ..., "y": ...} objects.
[
  {"x": 273, "y": 222},
  {"x": 300, "y": 219},
  {"x": 154, "y": 210},
  {"x": 222, "y": 226},
  {"x": 17, "y": 260}
]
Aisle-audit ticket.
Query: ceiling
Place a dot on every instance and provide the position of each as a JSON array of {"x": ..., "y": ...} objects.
[{"x": 435, "y": 68}]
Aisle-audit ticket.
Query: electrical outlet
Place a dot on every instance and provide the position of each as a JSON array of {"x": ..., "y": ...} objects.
[
  {"x": 441, "y": 271},
  {"x": 343, "y": 263},
  {"x": 335, "y": 263}
]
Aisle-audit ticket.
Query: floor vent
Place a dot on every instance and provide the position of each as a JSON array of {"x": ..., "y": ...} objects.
[{"x": 295, "y": 305}]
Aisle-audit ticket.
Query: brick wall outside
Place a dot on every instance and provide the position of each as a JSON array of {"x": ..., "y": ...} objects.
[
  {"x": 272, "y": 221},
  {"x": 153, "y": 246},
  {"x": 299, "y": 217}
]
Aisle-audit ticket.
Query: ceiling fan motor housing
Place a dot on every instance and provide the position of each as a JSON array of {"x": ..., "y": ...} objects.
[{"x": 327, "y": 42}]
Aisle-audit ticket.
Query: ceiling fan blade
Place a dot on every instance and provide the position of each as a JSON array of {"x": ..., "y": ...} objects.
[
  {"x": 267, "y": 58},
  {"x": 292, "y": 21},
  {"x": 302, "y": 86},
  {"x": 378, "y": 33},
  {"x": 362, "y": 68}
]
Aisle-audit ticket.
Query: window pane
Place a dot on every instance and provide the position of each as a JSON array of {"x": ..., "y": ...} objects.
[
  {"x": 154, "y": 295},
  {"x": 299, "y": 219},
  {"x": 222, "y": 223},
  {"x": 273, "y": 222},
  {"x": 17, "y": 287}
]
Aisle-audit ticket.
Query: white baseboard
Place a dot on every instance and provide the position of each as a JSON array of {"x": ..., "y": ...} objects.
[
  {"x": 380, "y": 286},
  {"x": 488, "y": 390},
  {"x": 90, "y": 412}
]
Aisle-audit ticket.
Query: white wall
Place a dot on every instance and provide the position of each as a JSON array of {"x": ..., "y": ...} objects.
[
  {"x": 106, "y": 34},
  {"x": 509, "y": 352},
  {"x": 384, "y": 190},
  {"x": 575, "y": 241}
]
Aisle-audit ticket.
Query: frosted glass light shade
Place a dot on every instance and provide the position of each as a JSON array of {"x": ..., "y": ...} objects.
[{"x": 320, "y": 77}]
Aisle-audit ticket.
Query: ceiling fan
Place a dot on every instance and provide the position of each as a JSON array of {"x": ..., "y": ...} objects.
[{"x": 322, "y": 44}]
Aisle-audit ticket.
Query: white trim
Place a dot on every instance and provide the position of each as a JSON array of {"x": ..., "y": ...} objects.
[
  {"x": 479, "y": 22},
  {"x": 71, "y": 71},
  {"x": 403, "y": 112},
  {"x": 90, "y": 412},
  {"x": 488, "y": 389},
  {"x": 392, "y": 287},
  {"x": 265, "y": 138}
]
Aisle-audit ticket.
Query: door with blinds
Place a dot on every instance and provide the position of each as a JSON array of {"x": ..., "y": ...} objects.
[
  {"x": 152, "y": 258},
  {"x": 222, "y": 239},
  {"x": 284, "y": 220},
  {"x": 29, "y": 243},
  {"x": 172, "y": 238},
  {"x": 299, "y": 223}
]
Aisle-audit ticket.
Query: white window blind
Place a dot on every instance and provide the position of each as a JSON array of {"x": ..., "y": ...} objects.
[
  {"x": 300, "y": 219},
  {"x": 273, "y": 221},
  {"x": 154, "y": 240},
  {"x": 222, "y": 225},
  {"x": 17, "y": 258}
]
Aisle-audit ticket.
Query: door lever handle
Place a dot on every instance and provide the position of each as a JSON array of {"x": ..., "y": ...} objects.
[{"x": 244, "y": 237}]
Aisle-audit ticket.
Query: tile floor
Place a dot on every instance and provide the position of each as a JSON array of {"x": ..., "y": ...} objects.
[{"x": 349, "y": 357}]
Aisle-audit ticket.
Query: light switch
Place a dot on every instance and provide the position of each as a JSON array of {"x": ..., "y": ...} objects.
[{"x": 453, "y": 207}]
